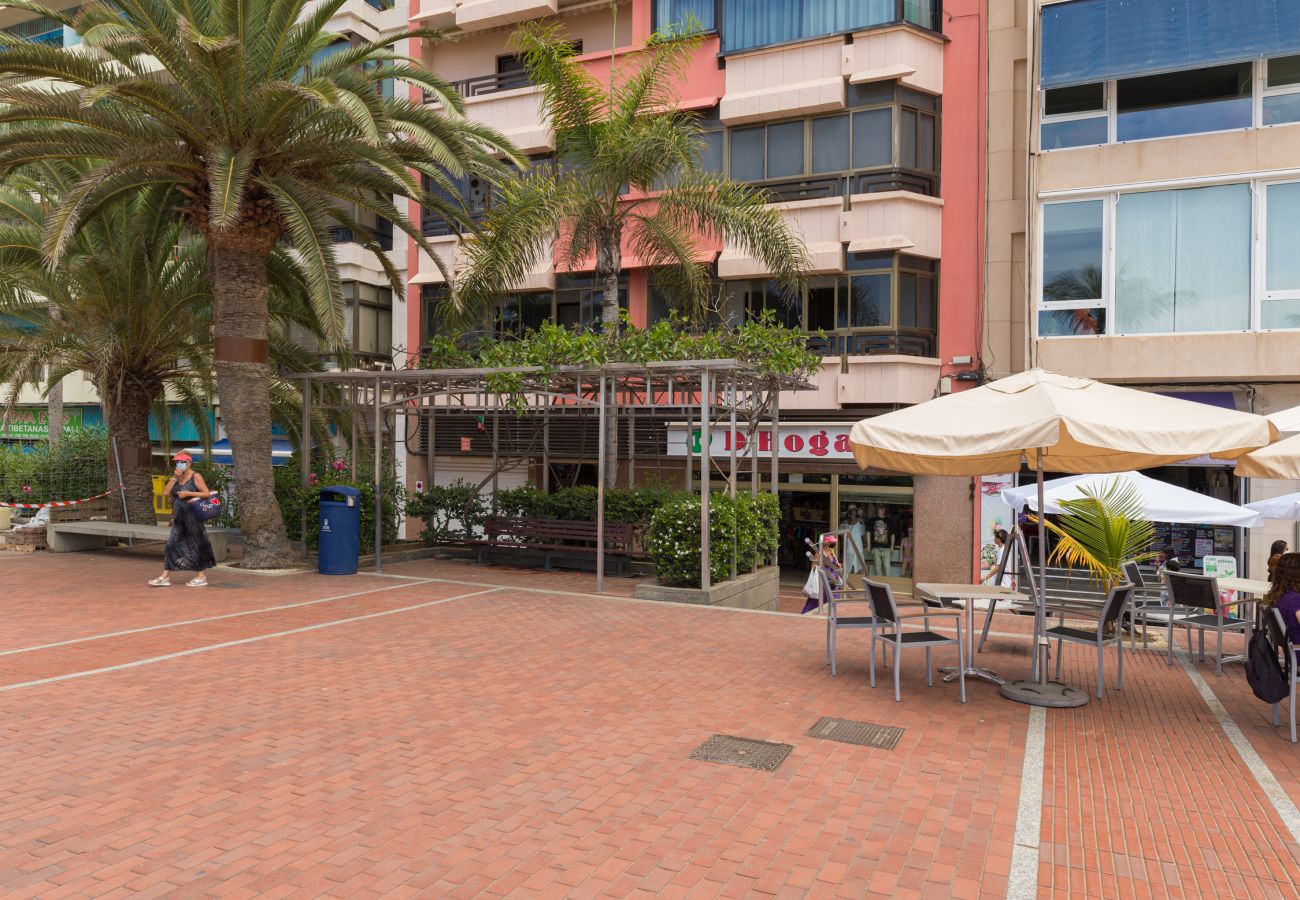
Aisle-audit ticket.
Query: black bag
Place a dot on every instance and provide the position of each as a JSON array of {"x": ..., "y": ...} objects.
[
  {"x": 1266, "y": 676},
  {"x": 206, "y": 508}
]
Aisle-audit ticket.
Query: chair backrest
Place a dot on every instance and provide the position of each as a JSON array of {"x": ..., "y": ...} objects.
[
  {"x": 1133, "y": 572},
  {"x": 882, "y": 601},
  {"x": 1115, "y": 601},
  {"x": 1280, "y": 637},
  {"x": 1196, "y": 591}
]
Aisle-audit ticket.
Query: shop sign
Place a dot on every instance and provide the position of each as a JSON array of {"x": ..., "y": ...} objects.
[
  {"x": 33, "y": 424},
  {"x": 797, "y": 441}
]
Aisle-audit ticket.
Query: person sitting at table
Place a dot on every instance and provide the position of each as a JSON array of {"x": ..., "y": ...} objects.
[
  {"x": 1274, "y": 554},
  {"x": 1285, "y": 593}
]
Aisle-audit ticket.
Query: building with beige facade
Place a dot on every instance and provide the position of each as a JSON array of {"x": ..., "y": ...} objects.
[{"x": 1144, "y": 207}]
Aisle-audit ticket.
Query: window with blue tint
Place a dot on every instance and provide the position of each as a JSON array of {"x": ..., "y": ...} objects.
[
  {"x": 873, "y": 138},
  {"x": 869, "y": 305},
  {"x": 1074, "y": 133},
  {"x": 1100, "y": 40},
  {"x": 760, "y": 23},
  {"x": 1071, "y": 322},
  {"x": 747, "y": 154},
  {"x": 785, "y": 149},
  {"x": 1282, "y": 109},
  {"x": 1282, "y": 244},
  {"x": 1214, "y": 99},
  {"x": 830, "y": 144},
  {"x": 41, "y": 30},
  {"x": 1072, "y": 251},
  {"x": 674, "y": 16},
  {"x": 765, "y": 296},
  {"x": 1182, "y": 260}
]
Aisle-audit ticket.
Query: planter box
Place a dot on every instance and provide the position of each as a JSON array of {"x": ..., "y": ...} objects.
[{"x": 757, "y": 590}]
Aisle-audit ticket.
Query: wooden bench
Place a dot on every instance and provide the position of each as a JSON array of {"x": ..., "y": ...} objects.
[
  {"x": 67, "y": 537},
  {"x": 557, "y": 537}
]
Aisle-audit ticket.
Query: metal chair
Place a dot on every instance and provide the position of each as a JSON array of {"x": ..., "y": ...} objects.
[
  {"x": 1111, "y": 615},
  {"x": 1279, "y": 638},
  {"x": 1200, "y": 593},
  {"x": 832, "y": 598},
  {"x": 1148, "y": 604},
  {"x": 882, "y": 603}
]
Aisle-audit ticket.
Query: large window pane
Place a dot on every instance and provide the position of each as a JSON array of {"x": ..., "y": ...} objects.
[
  {"x": 869, "y": 304},
  {"x": 907, "y": 138},
  {"x": 873, "y": 138},
  {"x": 1075, "y": 99},
  {"x": 830, "y": 144},
  {"x": 926, "y": 150},
  {"x": 1074, "y": 133},
  {"x": 1280, "y": 314},
  {"x": 747, "y": 154},
  {"x": 1072, "y": 248},
  {"x": 1071, "y": 322},
  {"x": 1188, "y": 102},
  {"x": 758, "y": 23},
  {"x": 785, "y": 150},
  {"x": 1282, "y": 109},
  {"x": 673, "y": 15},
  {"x": 768, "y": 296},
  {"x": 1283, "y": 71},
  {"x": 1282, "y": 232},
  {"x": 1182, "y": 260},
  {"x": 711, "y": 155},
  {"x": 821, "y": 304}
]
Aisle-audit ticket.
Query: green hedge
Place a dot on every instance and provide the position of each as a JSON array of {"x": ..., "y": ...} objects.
[
  {"x": 295, "y": 499},
  {"x": 76, "y": 468},
  {"x": 746, "y": 525},
  {"x": 450, "y": 512},
  {"x": 632, "y": 506}
]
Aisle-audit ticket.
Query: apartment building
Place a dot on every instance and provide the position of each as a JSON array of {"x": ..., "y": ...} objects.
[
  {"x": 374, "y": 320},
  {"x": 865, "y": 122},
  {"x": 1144, "y": 207}
]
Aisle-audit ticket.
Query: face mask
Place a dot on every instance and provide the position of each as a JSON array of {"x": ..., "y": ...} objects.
[{"x": 182, "y": 466}]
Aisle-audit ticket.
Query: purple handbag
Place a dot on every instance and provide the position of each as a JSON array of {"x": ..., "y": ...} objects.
[{"x": 206, "y": 508}]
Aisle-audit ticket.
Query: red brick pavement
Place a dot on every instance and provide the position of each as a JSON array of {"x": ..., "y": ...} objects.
[{"x": 536, "y": 743}]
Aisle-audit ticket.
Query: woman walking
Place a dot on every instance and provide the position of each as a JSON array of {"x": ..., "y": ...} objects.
[{"x": 188, "y": 549}]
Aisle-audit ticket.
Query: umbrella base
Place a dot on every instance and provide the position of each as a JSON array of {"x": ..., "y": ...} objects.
[{"x": 1049, "y": 693}]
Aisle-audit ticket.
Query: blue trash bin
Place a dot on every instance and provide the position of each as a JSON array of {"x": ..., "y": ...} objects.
[{"x": 340, "y": 530}]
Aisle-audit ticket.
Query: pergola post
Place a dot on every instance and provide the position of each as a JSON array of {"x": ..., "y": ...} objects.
[
  {"x": 732, "y": 482},
  {"x": 379, "y": 485},
  {"x": 305, "y": 450},
  {"x": 705, "y": 472},
  {"x": 776, "y": 435},
  {"x": 600, "y": 494},
  {"x": 431, "y": 451},
  {"x": 546, "y": 439},
  {"x": 354, "y": 412}
]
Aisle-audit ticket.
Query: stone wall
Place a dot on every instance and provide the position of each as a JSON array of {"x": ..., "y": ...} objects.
[{"x": 942, "y": 516}]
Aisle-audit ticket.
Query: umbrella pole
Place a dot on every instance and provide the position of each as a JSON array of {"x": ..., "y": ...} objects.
[{"x": 1037, "y": 690}]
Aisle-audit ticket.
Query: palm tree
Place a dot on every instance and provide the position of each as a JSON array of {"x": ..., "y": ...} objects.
[
  {"x": 129, "y": 305},
  {"x": 272, "y": 139},
  {"x": 1102, "y": 530},
  {"x": 627, "y": 173}
]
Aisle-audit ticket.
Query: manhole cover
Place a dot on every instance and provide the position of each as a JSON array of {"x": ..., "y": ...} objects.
[
  {"x": 864, "y": 734},
  {"x": 737, "y": 751}
]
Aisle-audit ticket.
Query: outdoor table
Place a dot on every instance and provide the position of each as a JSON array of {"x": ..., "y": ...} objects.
[
  {"x": 965, "y": 594},
  {"x": 1243, "y": 586}
]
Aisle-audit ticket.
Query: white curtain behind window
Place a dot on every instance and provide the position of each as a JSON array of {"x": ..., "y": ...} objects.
[{"x": 1182, "y": 260}]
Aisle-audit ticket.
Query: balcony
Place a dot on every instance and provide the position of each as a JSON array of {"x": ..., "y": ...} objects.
[
  {"x": 881, "y": 380},
  {"x": 509, "y": 103},
  {"x": 870, "y": 211},
  {"x": 477, "y": 15},
  {"x": 807, "y": 78},
  {"x": 540, "y": 278}
]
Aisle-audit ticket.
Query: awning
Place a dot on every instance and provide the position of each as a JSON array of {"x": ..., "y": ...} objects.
[
  {"x": 281, "y": 450},
  {"x": 1097, "y": 40},
  {"x": 1161, "y": 502}
]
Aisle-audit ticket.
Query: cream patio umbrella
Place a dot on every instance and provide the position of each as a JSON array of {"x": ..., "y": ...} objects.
[
  {"x": 1280, "y": 460},
  {"x": 1071, "y": 425}
]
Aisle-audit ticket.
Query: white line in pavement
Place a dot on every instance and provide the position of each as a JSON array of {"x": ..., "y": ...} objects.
[
  {"x": 233, "y": 615},
  {"x": 1023, "y": 881},
  {"x": 1268, "y": 783},
  {"x": 224, "y": 644}
]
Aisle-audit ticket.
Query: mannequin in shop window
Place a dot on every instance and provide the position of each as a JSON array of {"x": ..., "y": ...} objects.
[
  {"x": 855, "y": 557},
  {"x": 907, "y": 545},
  {"x": 882, "y": 544}
]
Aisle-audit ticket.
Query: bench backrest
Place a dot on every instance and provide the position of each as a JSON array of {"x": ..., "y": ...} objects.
[{"x": 556, "y": 530}]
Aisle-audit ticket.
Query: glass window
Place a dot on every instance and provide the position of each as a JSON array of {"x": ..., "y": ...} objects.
[
  {"x": 907, "y": 138},
  {"x": 711, "y": 154},
  {"x": 821, "y": 304},
  {"x": 674, "y": 16},
  {"x": 873, "y": 138},
  {"x": 926, "y": 144},
  {"x": 1075, "y": 133},
  {"x": 1284, "y": 71},
  {"x": 1076, "y": 99},
  {"x": 869, "y": 301},
  {"x": 767, "y": 295},
  {"x": 747, "y": 154},
  {"x": 1072, "y": 251},
  {"x": 1182, "y": 260},
  {"x": 1187, "y": 102},
  {"x": 830, "y": 144},
  {"x": 1282, "y": 109},
  {"x": 1282, "y": 232},
  {"x": 759, "y": 23},
  {"x": 1071, "y": 322},
  {"x": 915, "y": 301},
  {"x": 785, "y": 149}
]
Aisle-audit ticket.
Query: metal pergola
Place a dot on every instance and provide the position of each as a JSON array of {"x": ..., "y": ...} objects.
[{"x": 703, "y": 391}]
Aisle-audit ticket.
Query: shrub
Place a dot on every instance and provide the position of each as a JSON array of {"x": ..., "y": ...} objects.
[
  {"x": 450, "y": 512},
  {"x": 748, "y": 525},
  {"x": 297, "y": 498},
  {"x": 78, "y": 467},
  {"x": 525, "y": 502}
]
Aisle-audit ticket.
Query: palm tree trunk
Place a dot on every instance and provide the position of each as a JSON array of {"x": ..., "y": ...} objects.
[
  {"x": 54, "y": 411},
  {"x": 609, "y": 314},
  {"x": 239, "y": 289},
  {"x": 128, "y": 426}
]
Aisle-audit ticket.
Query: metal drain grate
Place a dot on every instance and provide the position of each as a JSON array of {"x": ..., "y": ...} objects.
[
  {"x": 864, "y": 734},
  {"x": 747, "y": 752}
]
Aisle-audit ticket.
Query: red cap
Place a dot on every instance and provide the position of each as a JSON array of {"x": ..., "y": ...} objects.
[{"x": 182, "y": 457}]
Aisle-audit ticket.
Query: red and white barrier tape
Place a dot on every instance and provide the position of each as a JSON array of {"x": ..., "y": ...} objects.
[{"x": 55, "y": 504}]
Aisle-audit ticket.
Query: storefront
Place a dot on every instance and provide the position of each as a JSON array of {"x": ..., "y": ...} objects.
[{"x": 820, "y": 488}]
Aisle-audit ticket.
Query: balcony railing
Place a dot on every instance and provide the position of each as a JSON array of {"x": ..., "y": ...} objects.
[
  {"x": 846, "y": 185},
  {"x": 343, "y": 235},
  {"x": 481, "y": 85},
  {"x": 901, "y": 341}
]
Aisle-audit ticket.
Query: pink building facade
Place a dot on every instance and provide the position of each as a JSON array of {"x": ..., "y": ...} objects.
[{"x": 865, "y": 122}]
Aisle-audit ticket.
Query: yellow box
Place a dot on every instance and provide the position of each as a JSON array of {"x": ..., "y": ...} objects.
[{"x": 162, "y": 504}]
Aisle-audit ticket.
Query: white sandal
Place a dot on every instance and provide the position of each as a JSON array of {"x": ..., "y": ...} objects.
[
  {"x": 200, "y": 581},
  {"x": 160, "y": 582}
]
